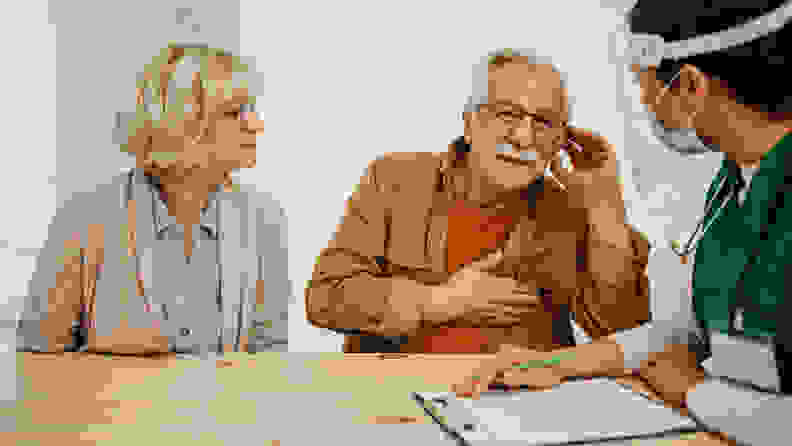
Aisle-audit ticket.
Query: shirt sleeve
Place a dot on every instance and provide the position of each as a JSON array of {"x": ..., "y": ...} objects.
[
  {"x": 270, "y": 315},
  {"x": 748, "y": 416},
  {"x": 50, "y": 318},
  {"x": 618, "y": 297},
  {"x": 674, "y": 322}
]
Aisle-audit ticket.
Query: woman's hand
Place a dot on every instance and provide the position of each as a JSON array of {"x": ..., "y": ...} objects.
[
  {"x": 504, "y": 368},
  {"x": 673, "y": 373}
]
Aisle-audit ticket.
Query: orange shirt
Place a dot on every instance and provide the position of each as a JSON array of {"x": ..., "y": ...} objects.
[{"x": 470, "y": 234}]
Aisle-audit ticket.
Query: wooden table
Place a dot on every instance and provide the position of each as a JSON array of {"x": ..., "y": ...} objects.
[{"x": 87, "y": 399}]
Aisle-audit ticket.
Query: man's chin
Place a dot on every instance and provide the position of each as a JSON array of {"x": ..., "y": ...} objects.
[{"x": 513, "y": 180}]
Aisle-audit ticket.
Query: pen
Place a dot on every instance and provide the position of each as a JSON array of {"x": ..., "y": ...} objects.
[
  {"x": 537, "y": 363},
  {"x": 431, "y": 411}
]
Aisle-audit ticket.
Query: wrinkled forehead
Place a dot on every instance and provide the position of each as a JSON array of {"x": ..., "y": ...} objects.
[{"x": 531, "y": 86}]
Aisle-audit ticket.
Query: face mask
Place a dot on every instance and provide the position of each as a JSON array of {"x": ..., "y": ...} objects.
[{"x": 685, "y": 142}]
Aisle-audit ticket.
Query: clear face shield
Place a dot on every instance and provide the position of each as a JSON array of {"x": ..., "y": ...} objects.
[{"x": 646, "y": 51}]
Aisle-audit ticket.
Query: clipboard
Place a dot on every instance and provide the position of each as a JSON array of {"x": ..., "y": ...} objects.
[{"x": 500, "y": 417}]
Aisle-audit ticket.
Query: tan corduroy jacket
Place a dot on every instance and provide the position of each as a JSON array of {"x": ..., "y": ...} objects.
[{"x": 395, "y": 227}]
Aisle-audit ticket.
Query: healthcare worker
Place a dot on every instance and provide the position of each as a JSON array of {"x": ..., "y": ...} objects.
[{"x": 714, "y": 77}]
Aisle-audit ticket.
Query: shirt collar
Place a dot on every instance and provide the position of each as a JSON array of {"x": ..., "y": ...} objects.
[
  {"x": 163, "y": 220},
  {"x": 773, "y": 162},
  {"x": 777, "y": 158}
]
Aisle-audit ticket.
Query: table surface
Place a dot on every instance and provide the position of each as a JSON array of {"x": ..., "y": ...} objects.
[{"x": 264, "y": 398}]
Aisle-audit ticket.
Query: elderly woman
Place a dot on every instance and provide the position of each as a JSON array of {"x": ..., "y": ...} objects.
[{"x": 180, "y": 263}]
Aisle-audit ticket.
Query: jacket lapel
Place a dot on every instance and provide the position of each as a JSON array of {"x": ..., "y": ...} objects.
[{"x": 437, "y": 241}]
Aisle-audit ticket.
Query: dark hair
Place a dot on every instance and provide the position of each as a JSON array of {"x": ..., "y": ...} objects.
[
  {"x": 461, "y": 147},
  {"x": 755, "y": 73}
]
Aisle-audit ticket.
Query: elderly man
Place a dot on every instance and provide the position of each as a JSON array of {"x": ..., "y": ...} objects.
[
  {"x": 186, "y": 261},
  {"x": 493, "y": 243}
]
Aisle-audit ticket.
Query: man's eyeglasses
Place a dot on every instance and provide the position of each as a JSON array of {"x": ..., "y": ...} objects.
[{"x": 514, "y": 118}]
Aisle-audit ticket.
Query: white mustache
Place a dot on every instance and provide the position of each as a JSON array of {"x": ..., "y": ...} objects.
[
  {"x": 524, "y": 155},
  {"x": 532, "y": 155}
]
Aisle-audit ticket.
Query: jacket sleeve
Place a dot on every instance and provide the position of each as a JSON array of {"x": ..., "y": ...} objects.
[
  {"x": 618, "y": 300},
  {"x": 51, "y": 314},
  {"x": 350, "y": 289}
]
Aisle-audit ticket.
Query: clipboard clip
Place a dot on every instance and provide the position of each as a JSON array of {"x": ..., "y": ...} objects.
[{"x": 431, "y": 411}]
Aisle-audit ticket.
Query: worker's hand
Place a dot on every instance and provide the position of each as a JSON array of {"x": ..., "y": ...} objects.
[
  {"x": 504, "y": 368},
  {"x": 673, "y": 373},
  {"x": 479, "y": 297}
]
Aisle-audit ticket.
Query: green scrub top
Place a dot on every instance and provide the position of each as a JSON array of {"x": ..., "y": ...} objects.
[{"x": 723, "y": 251}]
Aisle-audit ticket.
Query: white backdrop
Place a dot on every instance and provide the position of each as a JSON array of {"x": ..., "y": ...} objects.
[{"x": 346, "y": 82}]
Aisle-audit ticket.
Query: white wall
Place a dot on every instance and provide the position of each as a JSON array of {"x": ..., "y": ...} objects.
[
  {"x": 104, "y": 44},
  {"x": 96, "y": 49},
  {"x": 28, "y": 147}
]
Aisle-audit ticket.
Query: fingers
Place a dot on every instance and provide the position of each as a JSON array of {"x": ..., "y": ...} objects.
[
  {"x": 562, "y": 162},
  {"x": 539, "y": 378},
  {"x": 488, "y": 262},
  {"x": 515, "y": 300},
  {"x": 588, "y": 147},
  {"x": 584, "y": 137},
  {"x": 502, "y": 370},
  {"x": 495, "y": 318},
  {"x": 480, "y": 378},
  {"x": 484, "y": 377},
  {"x": 502, "y": 313},
  {"x": 467, "y": 388}
]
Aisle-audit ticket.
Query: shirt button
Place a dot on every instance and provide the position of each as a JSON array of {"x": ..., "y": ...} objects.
[{"x": 184, "y": 332}]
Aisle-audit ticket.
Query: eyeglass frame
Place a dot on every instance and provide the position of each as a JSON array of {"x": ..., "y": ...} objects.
[{"x": 521, "y": 120}]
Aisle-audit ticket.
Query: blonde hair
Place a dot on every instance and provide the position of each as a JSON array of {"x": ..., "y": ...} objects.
[{"x": 165, "y": 84}]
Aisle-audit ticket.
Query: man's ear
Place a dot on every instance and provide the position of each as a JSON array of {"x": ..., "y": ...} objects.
[{"x": 694, "y": 86}]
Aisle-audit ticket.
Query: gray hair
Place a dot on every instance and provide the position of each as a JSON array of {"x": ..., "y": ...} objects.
[
  {"x": 480, "y": 89},
  {"x": 194, "y": 59}
]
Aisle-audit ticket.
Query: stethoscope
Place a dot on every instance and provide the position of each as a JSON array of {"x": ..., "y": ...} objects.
[{"x": 693, "y": 240}]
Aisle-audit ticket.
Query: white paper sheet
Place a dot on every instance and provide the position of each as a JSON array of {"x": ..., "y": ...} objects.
[
  {"x": 743, "y": 361},
  {"x": 585, "y": 410}
]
